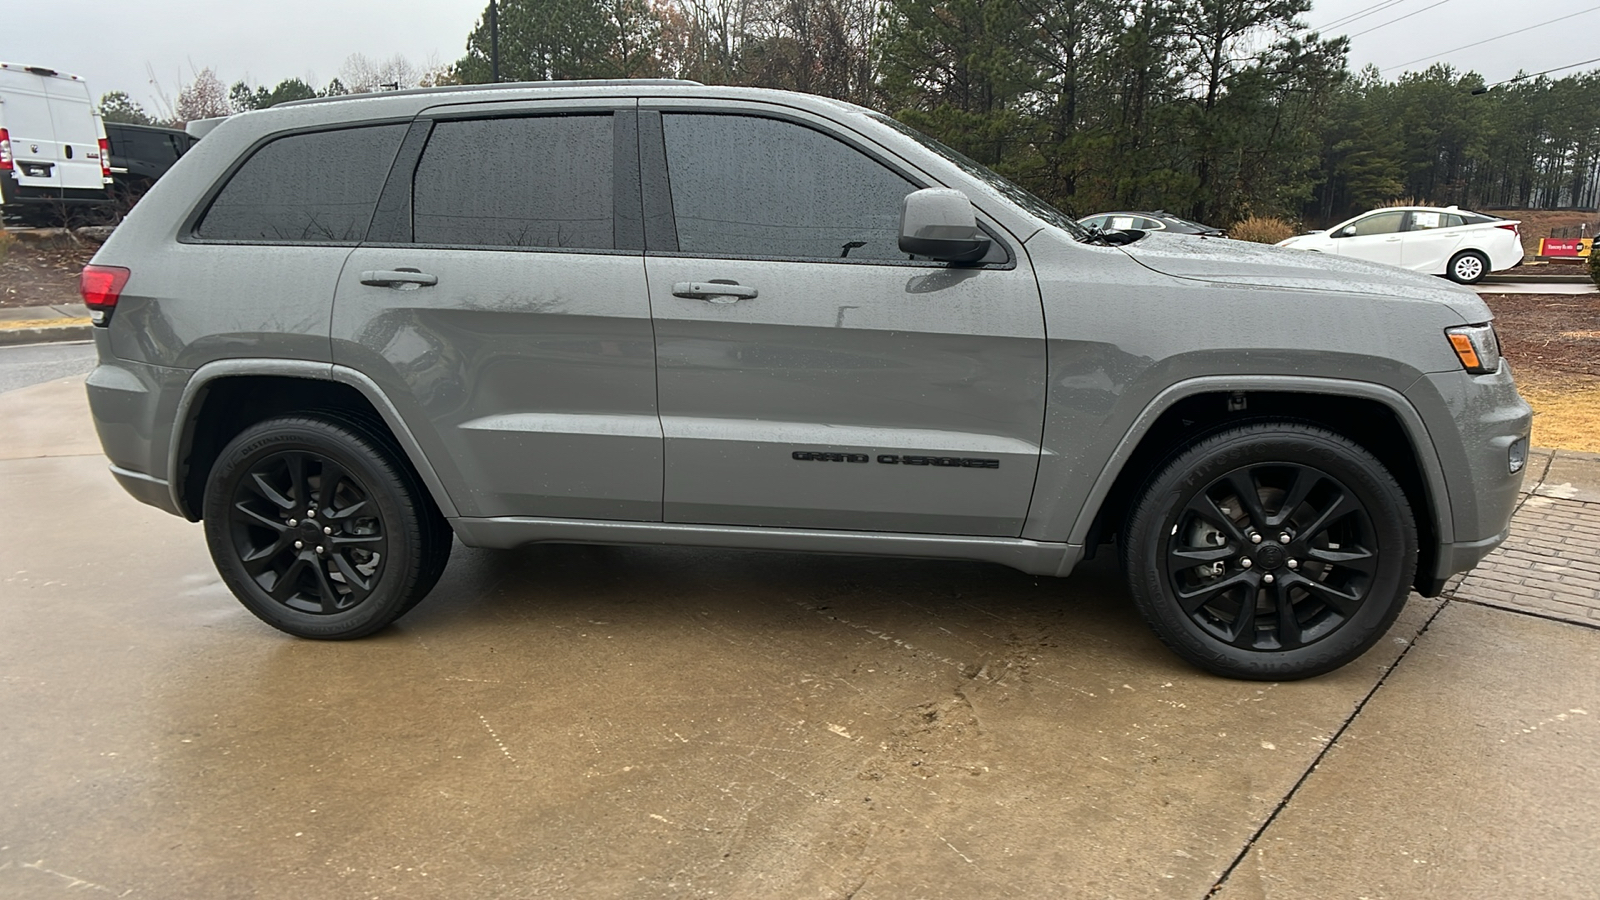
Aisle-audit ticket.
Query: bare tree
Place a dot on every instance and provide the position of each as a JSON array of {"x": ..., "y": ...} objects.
[{"x": 361, "y": 75}]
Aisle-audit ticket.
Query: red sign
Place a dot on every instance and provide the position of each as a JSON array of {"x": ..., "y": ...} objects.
[{"x": 1566, "y": 248}]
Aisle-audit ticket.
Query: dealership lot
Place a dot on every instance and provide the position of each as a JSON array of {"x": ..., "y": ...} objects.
[{"x": 596, "y": 721}]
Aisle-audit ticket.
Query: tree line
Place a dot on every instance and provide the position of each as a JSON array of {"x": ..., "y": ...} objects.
[{"x": 1214, "y": 109}]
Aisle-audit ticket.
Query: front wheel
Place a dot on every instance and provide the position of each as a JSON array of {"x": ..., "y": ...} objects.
[
  {"x": 320, "y": 528},
  {"x": 1271, "y": 551},
  {"x": 1468, "y": 267}
]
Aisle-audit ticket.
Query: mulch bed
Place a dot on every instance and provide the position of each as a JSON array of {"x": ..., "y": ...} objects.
[
  {"x": 1550, "y": 335},
  {"x": 42, "y": 275}
]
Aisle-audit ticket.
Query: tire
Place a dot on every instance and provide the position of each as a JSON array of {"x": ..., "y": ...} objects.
[
  {"x": 1266, "y": 609},
  {"x": 372, "y": 548},
  {"x": 1467, "y": 267}
]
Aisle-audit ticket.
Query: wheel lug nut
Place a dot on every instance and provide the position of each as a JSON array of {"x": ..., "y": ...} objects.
[
  {"x": 299, "y": 545},
  {"x": 293, "y": 522},
  {"x": 1267, "y": 578},
  {"x": 311, "y": 513},
  {"x": 1294, "y": 564},
  {"x": 1283, "y": 538},
  {"x": 327, "y": 529},
  {"x": 1245, "y": 563},
  {"x": 1255, "y": 538},
  {"x": 319, "y": 549}
]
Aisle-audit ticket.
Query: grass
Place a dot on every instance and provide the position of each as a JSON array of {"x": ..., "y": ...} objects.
[{"x": 1566, "y": 410}]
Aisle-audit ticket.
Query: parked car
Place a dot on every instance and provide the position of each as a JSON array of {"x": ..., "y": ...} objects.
[
  {"x": 52, "y": 146},
  {"x": 343, "y": 331},
  {"x": 1160, "y": 220},
  {"x": 142, "y": 153},
  {"x": 1459, "y": 244}
]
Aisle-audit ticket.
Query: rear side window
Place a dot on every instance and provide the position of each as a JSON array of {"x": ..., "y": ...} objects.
[
  {"x": 541, "y": 182},
  {"x": 748, "y": 186},
  {"x": 315, "y": 188},
  {"x": 1427, "y": 220}
]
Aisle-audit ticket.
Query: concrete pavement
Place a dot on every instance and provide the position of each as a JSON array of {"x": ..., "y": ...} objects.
[{"x": 618, "y": 722}]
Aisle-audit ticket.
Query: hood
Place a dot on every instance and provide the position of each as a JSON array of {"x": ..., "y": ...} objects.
[{"x": 1248, "y": 264}]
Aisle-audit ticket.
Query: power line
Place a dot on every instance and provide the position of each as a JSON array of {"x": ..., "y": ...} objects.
[
  {"x": 1487, "y": 40},
  {"x": 1360, "y": 14},
  {"x": 1406, "y": 16},
  {"x": 1486, "y": 87}
]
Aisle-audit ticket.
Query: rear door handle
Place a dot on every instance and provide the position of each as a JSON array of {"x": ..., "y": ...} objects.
[
  {"x": 400, "y": 279},
  {"x": 714, "y": 291}
]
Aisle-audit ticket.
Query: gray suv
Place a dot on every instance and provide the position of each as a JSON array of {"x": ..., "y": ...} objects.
[{"x": 343, "y": 332}]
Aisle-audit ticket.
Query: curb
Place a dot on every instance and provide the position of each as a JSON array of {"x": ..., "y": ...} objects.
[
  {"x": 69, "y": 330},
  {"x": 1536, "y": 279}
]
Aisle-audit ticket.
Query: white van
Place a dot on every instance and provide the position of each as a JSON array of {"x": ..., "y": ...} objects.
[{"x": 52, "y": 145}]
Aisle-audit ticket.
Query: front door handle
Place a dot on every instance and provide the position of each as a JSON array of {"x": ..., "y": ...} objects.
[
  {"x": 714, "y": 291},
  {"x": 400, "y": 279}
]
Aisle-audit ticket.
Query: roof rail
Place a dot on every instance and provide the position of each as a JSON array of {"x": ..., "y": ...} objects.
[{"x": 502, "y": 86}]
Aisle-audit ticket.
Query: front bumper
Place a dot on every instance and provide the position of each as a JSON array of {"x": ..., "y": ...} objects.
[{"x": 1489, "y": 418}]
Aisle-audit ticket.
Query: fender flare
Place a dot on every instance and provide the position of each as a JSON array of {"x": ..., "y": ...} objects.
[
  {"x": 1427, "y": 456},
  {"x": 184, "y": 416}
]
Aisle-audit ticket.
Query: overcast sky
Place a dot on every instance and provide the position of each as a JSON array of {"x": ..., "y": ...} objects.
[{"x": 115, "y": 45}]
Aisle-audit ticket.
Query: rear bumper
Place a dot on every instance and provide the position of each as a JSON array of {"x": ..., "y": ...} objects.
[
  {"x": 18, "y": 197},
  {"x": 146, "y": 489}
]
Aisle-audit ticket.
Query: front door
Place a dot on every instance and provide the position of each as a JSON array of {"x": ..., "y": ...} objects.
[
  {"x": 811, "y": 375},
  {"x": 1375, "y": 238}
]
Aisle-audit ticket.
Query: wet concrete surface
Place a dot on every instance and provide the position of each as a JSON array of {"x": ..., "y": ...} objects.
[{"x": 622, "y": 722}]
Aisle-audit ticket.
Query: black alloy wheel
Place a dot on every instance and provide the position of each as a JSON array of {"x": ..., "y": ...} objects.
[
  {"x": 1271, "y": 551},
  {"x": 308, "y": 533},
  {"x": 320, "y": 528}
]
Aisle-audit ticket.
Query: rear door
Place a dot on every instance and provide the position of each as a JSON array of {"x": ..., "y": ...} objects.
[
  {"x": 500, "y": 303},
  {"x": 25, "y": 108},
  {"x": 1431, "y": 238},
  {"x": 811, "y": 374},
  {"x": 77, "y": 132}
]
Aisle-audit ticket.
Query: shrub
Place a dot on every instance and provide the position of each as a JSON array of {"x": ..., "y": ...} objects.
[
  {"x": 1261, "y": 230},
  {"x": 1594, "y": 261}
]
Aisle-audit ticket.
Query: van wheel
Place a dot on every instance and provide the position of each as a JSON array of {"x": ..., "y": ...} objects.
[
  {"x": 1468, "y": 267},
  {"x": 1271, "y": 551},
  {"x": 320, "y": 529}
]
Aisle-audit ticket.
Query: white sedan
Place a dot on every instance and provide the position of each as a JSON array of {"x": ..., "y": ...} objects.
[{"x": 1460, "y": 245}]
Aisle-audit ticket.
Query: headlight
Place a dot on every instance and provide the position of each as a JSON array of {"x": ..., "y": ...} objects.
[{"x": 1476, "y": 346}]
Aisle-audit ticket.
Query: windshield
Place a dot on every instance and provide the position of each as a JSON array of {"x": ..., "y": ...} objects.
[{"x": 983, "y": 173}]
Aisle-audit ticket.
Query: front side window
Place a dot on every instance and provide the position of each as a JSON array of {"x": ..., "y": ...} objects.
[
  {"x": 749, "y": 186},
  {"x": 314, "y": 188},
  {"x": 1380, "y": 223},
  {"x": 536, "y": 182}
]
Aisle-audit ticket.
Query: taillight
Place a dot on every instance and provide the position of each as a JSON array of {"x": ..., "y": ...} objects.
[
  {"x": 100, "y": 287},
  {"x": 105, "y": 158},
  {"x": 1511, "y": 228},
  {"x": 5, "y": 150}
]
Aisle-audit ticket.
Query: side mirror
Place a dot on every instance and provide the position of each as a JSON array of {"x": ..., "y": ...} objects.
[
  {"x": 939, "y": 223},
  {"x": 1347, "y": 231}
]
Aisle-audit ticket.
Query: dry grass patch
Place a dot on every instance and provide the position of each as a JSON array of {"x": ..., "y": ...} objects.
[{"x": 1566, "y": 410}]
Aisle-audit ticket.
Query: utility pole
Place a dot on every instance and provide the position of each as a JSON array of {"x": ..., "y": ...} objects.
[{"x": 494, "y": 40}]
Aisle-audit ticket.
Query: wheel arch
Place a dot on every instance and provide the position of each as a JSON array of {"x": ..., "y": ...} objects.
[
  {"x": 1378, "y": 418},
  {"x": 208, "y": 416}
]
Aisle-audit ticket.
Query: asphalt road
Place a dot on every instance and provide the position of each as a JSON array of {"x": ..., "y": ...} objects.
[
  {"x": 26, "y": 364},
  {"x": 662, "y": 722}
]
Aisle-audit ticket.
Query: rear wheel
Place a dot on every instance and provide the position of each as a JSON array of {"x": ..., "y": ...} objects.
[
  {"x": 1271, "y": 551},
  {"x": 320, "y": 530},
  {"x": 1468, "y": 267}
]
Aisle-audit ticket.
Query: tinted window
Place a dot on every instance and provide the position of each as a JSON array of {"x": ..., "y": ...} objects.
[
  {"x": 315, "y": 188},
  {"x": 746, "y": 186},
  {"x": 1382, "y": 223},
  {"x": 1427, "y": 220},
  {"x": 534, "y": 182}
]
